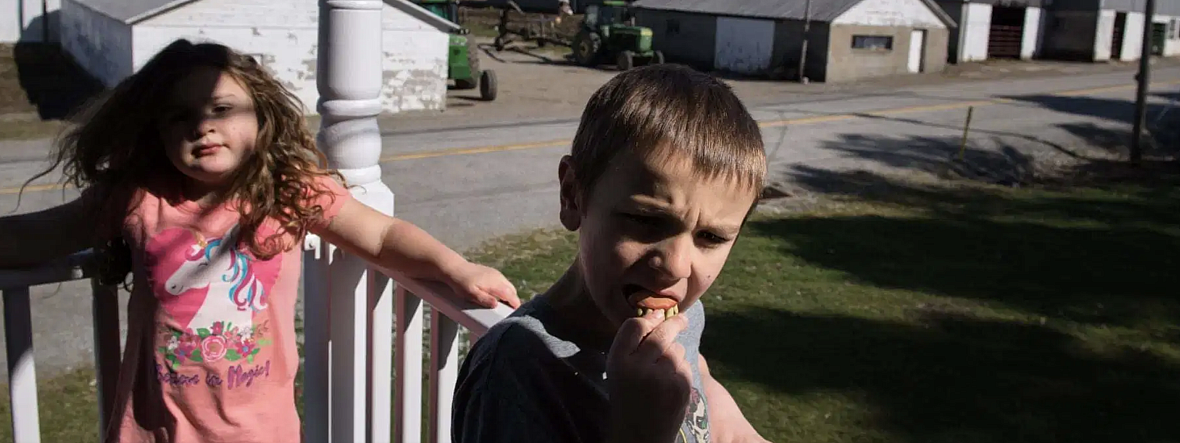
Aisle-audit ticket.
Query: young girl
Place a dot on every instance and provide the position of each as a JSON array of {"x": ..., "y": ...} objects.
[{"x": 200, "y": 179}]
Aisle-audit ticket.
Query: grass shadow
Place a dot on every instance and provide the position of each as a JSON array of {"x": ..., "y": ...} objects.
[
  {"x": 943, "y": 378},
  {"x": 1093, "y": 256},
  {"x": 913, "y": 311}
]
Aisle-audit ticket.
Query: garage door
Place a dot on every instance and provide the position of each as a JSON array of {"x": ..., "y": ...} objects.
[
  {"x": 1007, "y": 32},
  {"x": 1116, "y": 43},
  {"x": 744, "y": 45}
]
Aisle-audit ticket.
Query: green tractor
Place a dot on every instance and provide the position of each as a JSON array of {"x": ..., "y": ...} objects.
[
  {"x": 462, "y": 55},
  {"x": 608, "y": 32}
]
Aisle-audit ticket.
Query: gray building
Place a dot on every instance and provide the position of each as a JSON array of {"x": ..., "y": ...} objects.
[
  {"x": 846, "y": 40},
  {"x": 1101, "y": 30}
]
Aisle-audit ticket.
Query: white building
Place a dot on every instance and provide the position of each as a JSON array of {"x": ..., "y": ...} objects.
[
  {"x": 990, "y": 29},
  {"x": 113, "y": 38}
]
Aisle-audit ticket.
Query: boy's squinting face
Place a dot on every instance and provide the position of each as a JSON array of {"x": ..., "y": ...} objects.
[
  {"x": 652, "y": 235},
  {"x": 209, "y": 126}
]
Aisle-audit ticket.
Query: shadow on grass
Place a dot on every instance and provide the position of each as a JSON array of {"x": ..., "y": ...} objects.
[
  {"x": 949, "y": 379},
  {"x": 964, "y": 313},
  {"x": 1056, "y": 254}
]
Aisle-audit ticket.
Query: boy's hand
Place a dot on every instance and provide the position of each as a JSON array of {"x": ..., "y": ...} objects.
[
  {"x": 482, "y": 285},
  {"x": 648, "y": 380}
]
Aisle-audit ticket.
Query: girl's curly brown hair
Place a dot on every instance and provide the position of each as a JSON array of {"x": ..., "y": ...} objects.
[{"x": 116, "y": 150}]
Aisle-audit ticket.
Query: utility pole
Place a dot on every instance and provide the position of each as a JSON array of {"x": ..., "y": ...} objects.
[
  {"x": 1144, "y": 79},
  {"x": 803, "y": 52}
]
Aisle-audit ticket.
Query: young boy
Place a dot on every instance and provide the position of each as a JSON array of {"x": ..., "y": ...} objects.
[{"x": 665, "y": 168}]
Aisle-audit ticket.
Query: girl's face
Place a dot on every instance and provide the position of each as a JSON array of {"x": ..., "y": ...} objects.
[{"x": 209, "y": 128}]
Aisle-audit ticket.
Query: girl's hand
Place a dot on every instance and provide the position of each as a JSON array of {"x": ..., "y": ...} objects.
[{"x": 482, "y": 285}]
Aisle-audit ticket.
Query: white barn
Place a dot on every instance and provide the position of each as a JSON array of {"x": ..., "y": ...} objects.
[
  {"x": 990, "y": 29},
  {"x": 113, "y": 38}
]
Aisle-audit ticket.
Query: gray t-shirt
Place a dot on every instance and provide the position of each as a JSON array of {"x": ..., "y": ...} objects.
[{"x": 530, "y": 380}]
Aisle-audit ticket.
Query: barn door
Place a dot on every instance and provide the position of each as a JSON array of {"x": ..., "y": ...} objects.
[
  {"x": 1116, "y": 45},
  {"x": 744, "y": 45},
  {"x": 1007, "y": 32},
  {"x": 917, "y": 49},
  {"x": 1159, "y": 32}
]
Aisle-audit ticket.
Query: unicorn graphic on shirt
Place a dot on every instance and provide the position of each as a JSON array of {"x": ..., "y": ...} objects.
[
  {"x": 214, "y": 292},
  {"x": 233, "y": 291}
]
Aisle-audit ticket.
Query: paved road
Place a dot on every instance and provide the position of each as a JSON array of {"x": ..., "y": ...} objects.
[{"x": 470, "y": 185}]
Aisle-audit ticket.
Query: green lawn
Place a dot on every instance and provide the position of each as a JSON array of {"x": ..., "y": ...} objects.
[{"x": 918, "y": 312}]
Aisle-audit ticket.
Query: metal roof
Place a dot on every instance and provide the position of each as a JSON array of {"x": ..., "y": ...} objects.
[
  {"x": 135, "y": 11},
  {"x": 821, "y": 10}
]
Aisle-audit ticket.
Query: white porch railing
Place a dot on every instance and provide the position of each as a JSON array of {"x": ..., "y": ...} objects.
[
  {"x": 349, "y": 336},
  {"x": 374, "y": 378}
]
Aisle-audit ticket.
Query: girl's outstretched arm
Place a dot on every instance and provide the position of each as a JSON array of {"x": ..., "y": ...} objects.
[
  {"x": 37, "y": 237},
  {"x": 400, "y": 246}
]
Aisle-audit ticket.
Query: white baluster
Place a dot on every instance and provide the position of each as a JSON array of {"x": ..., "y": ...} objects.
[
  {"x": 409, "y": 367},
  {"x": 22, "y": 373},
  {"x": 444, "y": 372},
  {"x": 316, "y": 407},
  {"x": 349, "y": 75}
]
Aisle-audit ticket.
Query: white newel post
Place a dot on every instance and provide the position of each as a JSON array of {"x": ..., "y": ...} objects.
[{"x": 344, "y": 297}]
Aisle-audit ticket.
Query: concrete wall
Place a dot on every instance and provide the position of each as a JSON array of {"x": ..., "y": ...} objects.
[
  {"x": 1104, "y": 35},
  {"x": 978, "y": 21},
  {"x": 29, "y": 20},
  {"x": 683, "y": 37},
  {"x": 284, "y": 36},
  {"x": 100, "y": 44},
  {"x": 1034, "y": 33},
  {"x": 1133, "y": 37},
  {"x": 846, "y": 63}
]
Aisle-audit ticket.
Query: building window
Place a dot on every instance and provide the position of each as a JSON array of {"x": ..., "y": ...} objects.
[
  {"x": 1172, "y": 25},
  {"x": 872, "y": 42},
  {"x": 673, "y": 26}
]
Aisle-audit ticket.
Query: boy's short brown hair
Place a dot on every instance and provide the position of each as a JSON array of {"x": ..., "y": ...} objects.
[{"x": 667, "y": 110}]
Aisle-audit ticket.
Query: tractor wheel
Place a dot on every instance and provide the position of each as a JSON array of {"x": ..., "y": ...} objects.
[
  {"x": 472, "y": 55},
  {"x": 487, "y": 85},
  {"x": 586, "y": 48},
  {"x": 657, "y": 58},
  {"x": 626, "y": 60}
]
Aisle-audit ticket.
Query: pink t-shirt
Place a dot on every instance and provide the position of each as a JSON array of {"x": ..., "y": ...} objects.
[{"x": 211, "y": 353}]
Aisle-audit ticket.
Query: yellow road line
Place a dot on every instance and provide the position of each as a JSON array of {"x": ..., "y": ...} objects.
[{"x": 766, "y": 124}]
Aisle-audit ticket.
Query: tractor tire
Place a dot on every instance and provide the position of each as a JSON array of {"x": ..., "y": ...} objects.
[
  {"x": 473, "y": 63},
  {"x": 626, "y": 60},
  {"x": 587, "y": 47},
  {"x": 487, "y": 86},
  {"x": 472, "y": 55}
]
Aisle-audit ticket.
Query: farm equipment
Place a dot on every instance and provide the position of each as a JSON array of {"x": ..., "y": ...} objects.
[
  {"x": 608, "y": 32},
  {"x": 542, "y": 29},
  {"x": 462, "y": 54}
]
